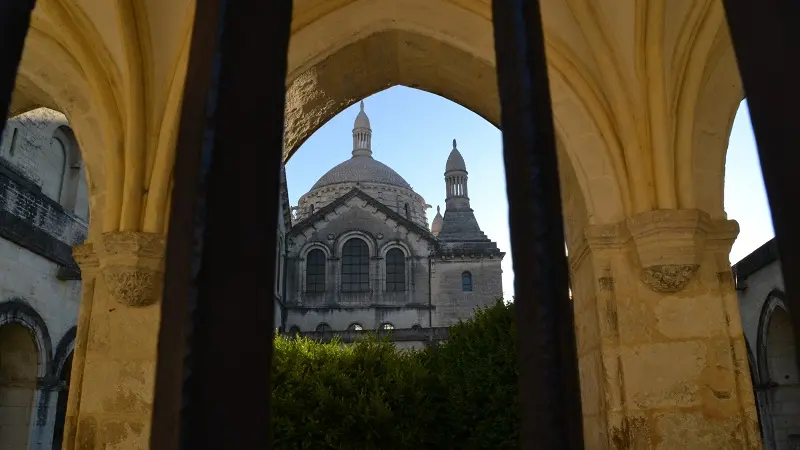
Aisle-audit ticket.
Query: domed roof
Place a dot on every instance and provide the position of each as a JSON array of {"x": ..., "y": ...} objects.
[
  {"x": 362, "y": 169},
  {"x": 455, "y": 162},
  {"x": 362, "y": 121}
]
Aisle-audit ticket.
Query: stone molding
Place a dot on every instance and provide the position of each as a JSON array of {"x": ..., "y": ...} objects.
[
  {"x": 132, "y": 264},
  {"x": 86, "y": 258},
  {"x": 667, "y": 245}
]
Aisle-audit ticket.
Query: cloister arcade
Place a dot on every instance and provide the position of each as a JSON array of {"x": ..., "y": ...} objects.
[{"x": 643, "y": 93}]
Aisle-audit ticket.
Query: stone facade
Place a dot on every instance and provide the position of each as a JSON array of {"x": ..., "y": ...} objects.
[
  {"x": 43, "y": 213},
  {"x": 409, "y": 278},
  {"x": 642, "y": 125},
  {"x": 771, "y": 346}
]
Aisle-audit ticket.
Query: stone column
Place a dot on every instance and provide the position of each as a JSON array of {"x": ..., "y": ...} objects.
[
  {"x": 661, "y": 349},
  {"x": 113, "y": 372}
]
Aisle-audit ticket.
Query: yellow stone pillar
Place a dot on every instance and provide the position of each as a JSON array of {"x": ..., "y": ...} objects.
[
  {"x": 661, "y": 350},
  {"x": 113, "y": 374}
]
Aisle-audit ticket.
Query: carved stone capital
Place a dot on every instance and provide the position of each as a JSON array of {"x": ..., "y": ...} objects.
[
  {"x": 86, "y": 258},
  {"x": 132, "y": 264},
  {"x": 667, "y": 245},
  {"x": 670, "y": 277},
  {"x": 671, "y": 244}
]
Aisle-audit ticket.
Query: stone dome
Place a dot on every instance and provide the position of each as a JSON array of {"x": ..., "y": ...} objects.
[
  {"x": 362, "y": 169},
  {"x": 455, "y": 162}
]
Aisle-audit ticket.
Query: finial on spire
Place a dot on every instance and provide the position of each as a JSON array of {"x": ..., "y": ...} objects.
[
  {"x": 362, "y": 134},
  {"x": 454, "y": 144},
  {"x": 438, "y": 211}
]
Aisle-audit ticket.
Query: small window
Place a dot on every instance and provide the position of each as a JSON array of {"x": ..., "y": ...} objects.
[
  {"x": 311, "y": 210},
  {"x": 416, "y": 327},
  {"x": 13, "y": 141},
  {"x": 386, "y": 326},
  {"x": 355, "y": 327},
  {"x": 395, "y": 270},
  {"x": 466, "y": 282},
  {"x": 294, "y": 330},
  {"x": 408, "y": 212},
  {"x": 323, "y": 327},
  {"x": 355, "y": 266},
  {"x": 315, "y": 271}
]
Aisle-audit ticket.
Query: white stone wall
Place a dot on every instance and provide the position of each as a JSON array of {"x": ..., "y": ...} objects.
[
  {"x": 392, "y": 196},
  {"x": 40, "y": 147},
  {"x": 770, "y": 337},
  {"x": 29, "y": 278},
  {"x": 449, "y": 299},
  {"x": 368, "y": 318},
  {"x": 40, "y": 144}
]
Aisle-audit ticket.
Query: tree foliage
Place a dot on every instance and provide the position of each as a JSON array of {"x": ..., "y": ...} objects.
[{"x": 460, "y": 394}]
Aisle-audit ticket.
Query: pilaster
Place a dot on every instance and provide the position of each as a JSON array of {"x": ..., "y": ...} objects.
[
  {"x": 660, "y": 344},
  {"x": 113, "y": 375}
]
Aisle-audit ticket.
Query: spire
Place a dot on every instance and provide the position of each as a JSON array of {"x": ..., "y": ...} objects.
[
  {"x": 455, "y": 178},
  {"x": 455, "y": 162},
  {"x": 458, "y": 225},
  {"x": 436, "y": 225},
  {"x": 362, "y": 134}
]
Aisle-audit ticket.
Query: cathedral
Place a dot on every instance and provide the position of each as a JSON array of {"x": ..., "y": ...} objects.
[{"x": 358, "y": 252}]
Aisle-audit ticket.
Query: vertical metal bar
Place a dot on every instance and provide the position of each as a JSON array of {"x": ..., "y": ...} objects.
[
  {"x": 15, "y": 18},
  {"x": 766, "y": 39},
  {"x": 549, "y": 390},
  {"x": 186, "y": 225},
  {"x": 218, "y": 307}
]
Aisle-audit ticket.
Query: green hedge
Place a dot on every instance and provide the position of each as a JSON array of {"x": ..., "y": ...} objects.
[{"x": 460, "y": 394}]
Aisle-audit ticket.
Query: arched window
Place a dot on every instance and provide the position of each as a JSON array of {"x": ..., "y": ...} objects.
[
  {"x": 395, "y": 270},
  {"x": 323, "y": 327},
  {"x": 466, "y": 282},
  {"x": 408, "y": 212},
  {"x": 315, "y": 271},
  {"x": 294, "y": 330},
  {"x": 386, "y": 326},
  {"x": 416, "y": 327},
  {"x": 13, "y": 146},
  {"x": 355, "y": 327},
  {"x": 64, "y": 160},
  {"x": 355, "y": 266}
]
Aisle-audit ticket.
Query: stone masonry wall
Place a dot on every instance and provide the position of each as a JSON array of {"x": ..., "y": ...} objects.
[
  {"x": 37, "y": 271},
  {"x": 450, "y": 301},
  {"x": 392, "y": 196},
  {"x": 339, "y": 309}
]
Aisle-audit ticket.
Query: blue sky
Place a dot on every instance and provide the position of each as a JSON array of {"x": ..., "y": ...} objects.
[{"x": 412, "y": 132}]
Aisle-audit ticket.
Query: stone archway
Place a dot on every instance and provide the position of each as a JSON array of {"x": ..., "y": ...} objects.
[
  {"x": 625, "y": 83},
  {"x": 778, "y": 371},
  {"x": 64, "y": 378},
  {"x": 19, "y": 367}
]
